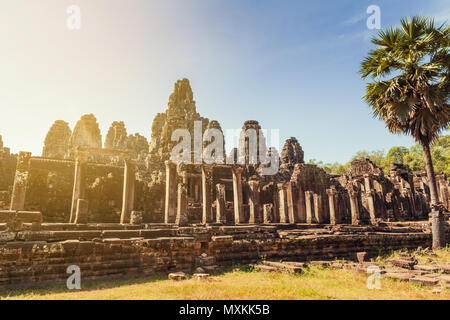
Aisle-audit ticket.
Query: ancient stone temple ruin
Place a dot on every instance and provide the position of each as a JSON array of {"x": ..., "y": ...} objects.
[{"x": 125, "y": 207}]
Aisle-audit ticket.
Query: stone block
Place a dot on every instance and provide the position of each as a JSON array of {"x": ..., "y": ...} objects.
[
  {"x": 201, "y": 276},
  {"x": 137, "y": 217},
  {"x": 177, "y": 276},
  {"x": 361, "y": 256},
  {"x": 425, "y": 281}
]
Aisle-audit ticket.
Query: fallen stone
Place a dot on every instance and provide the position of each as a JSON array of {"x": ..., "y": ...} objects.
[
  {"x": 201, "y": 276},
  {"x": 425, "y": 281},
  {"x": 321, "y": 263},
  {"x": 428, "y": 268},
  {"x": 445, "y": 268},
  {"x": 402, "y": 263},
  {"x": 361, "y": 256},
  {"x": 200, "y": 270},
  {"x": 444, "y": 278},
  {"x": 264, "y": 268},
  {"x": 284, "y": 266},
  {"x": 405, "y": 276},
  {"x": 177, "y": 276}
]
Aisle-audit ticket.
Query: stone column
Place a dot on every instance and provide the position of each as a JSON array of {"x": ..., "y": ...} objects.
[
  {"x": 276, "y": 205},
  {"x": 371, "y": 205},
  {"x": 253, "y": 202},
  {"x": 81, "y": 215},
  {"x": 171, "y": 196},
  {"x": 354, "y": 207},
  {"x": 301, "y": 206},
  {"x": 267, "y": 213},
  {"x": 20, "y": 181},
  {"x": 206, "y": 195},
  {"x": 237, "y": 195},
  {"x": 318, "y": 208},
  {"x": 79, "y": 181},
  {"x": 367, "y": 182},
  {"x": 331, "y": 201},
  {"x": 290, "y": 203},
  {"x": 220, "y": 203},
  {"x": 310, "y": 217},
  {"x": 181, "y": 218},
  {"x": 129, "y": 178},
  {"x": 283, "y": 203}
]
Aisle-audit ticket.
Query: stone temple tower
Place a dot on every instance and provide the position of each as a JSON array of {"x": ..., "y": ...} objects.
[
  {"x": 85, "y": 134},
  {"x": 56, "y": 142},
  {"x": 180, "y": 114}
]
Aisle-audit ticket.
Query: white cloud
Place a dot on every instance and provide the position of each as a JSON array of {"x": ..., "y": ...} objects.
[{"x": 355, "y": 19}]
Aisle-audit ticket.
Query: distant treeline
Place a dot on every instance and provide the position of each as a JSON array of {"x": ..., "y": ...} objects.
[{"x": 412, "y": 157}]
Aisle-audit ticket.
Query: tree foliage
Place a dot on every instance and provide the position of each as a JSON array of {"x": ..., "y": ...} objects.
[{"x": 411, "y": 157}]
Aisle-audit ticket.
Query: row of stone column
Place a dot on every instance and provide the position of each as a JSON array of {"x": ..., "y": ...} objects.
[
  {"x": 292, "y": 203},
  {"x": 176, "y": 205}
]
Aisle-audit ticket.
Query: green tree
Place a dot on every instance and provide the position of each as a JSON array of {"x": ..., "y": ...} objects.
[
  {"x": 410, "y": 90},
  {"x": 376, "y": 156}
]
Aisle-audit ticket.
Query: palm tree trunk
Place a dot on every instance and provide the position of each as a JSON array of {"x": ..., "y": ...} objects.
[
  {"x": 437, "y": 226},
  {"x": 430, "y": 174}
]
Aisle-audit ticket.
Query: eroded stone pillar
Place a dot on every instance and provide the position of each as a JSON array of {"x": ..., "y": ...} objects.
[
  {"x": 301, "y": 206},
  {"x": 290, "y": 203},
  {"x": 253, "y": 202},
  {"x": 79, "y": 181},
  {"x": 129, "y": 179},
  {"x": 237, "y": 195},
  {"x": 282, "y": 197},
  {"x": 354, "y": 207},
  {"x": 310, "y": 217},
  {"x": 367, "y": 182},
  {"x": 20, "y": 181},
  {"x": 267, "y": 213},
  {"x": 332, "y": 204},
  {"x": 220, "y": 203},
  {"x": 318, "y": 208},
  {"x": 371, "y": 205},
  {"x": 171, "y": 195},
  {"x": 206, "y": 195},
  {"x": 182, "y": 203}
]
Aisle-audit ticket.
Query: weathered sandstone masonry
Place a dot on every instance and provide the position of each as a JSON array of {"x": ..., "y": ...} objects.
[{"x": 106, "y": 251}]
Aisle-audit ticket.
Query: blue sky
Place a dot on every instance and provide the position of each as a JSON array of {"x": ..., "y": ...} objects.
[{"x": 291, "y": 65}]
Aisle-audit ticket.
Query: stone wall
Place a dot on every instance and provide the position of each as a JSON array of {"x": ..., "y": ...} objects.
[
  {"x": 38, "y": 258},
  {"x": 50, "y": 189}
]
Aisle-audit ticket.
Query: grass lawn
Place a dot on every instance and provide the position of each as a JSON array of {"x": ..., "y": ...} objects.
[{"x": 315, "y": 283}]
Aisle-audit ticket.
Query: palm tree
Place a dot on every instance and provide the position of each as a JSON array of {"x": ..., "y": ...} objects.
[{"x": 410, "y": 89}]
